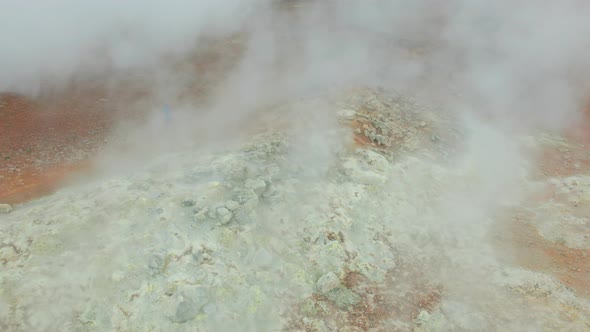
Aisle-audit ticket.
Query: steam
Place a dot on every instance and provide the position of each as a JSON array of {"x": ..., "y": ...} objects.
[
  {"x": 520, "y": 60},
  {"x": 521, "y": 65},
  {"x": 53, "y": 41}
]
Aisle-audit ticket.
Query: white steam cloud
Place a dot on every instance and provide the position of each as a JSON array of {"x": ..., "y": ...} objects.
[
  {"x": 522, "y": 59},
  {"x": 51, "y": 41},
  {"x": 519, "y": 64}
]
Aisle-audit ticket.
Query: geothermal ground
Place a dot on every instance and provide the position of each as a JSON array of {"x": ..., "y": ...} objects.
[
  {"x": 393, "y": 232},
  {"x": 356, "y": 207}
]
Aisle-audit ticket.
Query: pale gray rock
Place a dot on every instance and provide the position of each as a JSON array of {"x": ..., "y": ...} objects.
[
  {"x": 155, "y": 264},
  {"x": 212, "y": 214},
  {"x": 347, "y": 114},
  {"x": 186, "y": 311},
  {"x": 225, "y": 216},
  {"x": 258, "y": 186},
  {"x": 188, "y": 203},
  {"x": 327, "y": 282},
  {"x": 201, "y": 215},
  {"x": 232, "y": 205}
]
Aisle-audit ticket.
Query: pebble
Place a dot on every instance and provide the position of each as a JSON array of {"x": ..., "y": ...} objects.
[
  {"x": 5, "y": 208},
  {"x": 327, "y": 282}
]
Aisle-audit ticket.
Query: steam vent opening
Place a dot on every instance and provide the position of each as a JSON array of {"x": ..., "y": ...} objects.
[{"x": 295, "y": 165}]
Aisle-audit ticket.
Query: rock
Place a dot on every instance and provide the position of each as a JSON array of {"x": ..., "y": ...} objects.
[
  {"x": 5, "y": 208},
  {"x": 201, "y": 203},
  {"x": 381, "y": 140},
  {"x": 201, "y": 215},
  {"x": 244, "y": 216},
  {"x": 248, "y": 200},
  {"x": 327, "y": 282},
  {"x": 356, "y": 171},
  {"x": 368, "y": 178},
  {"x": 155, "y": 265},
  {"x": 258, "y": 186},
  {"x": 192, "y": 303},
  {"x": 171, "y": 290},
  {"x": 370, "y": 133},
  {"x": 202, "y": 255},
  {"x": 225, "y": 215},
  {"x": 8, "y": 254},
  {"x": 186, "y": 311},
  {"x": 235, "y": 169},
  {"x": 375, "y": 160},
  {"x": 198, "y": 256},
  {"x": 423, "y": 318},
  {"x": 188, "y": 203},
  {"x": 347, "y": 114},
  {"x": 343, "y": 298},
  {"x": 317, "y": 325},
  {"x": 210, "y": 309},
  {"x": 269, "y": 192},
  {"x": 212, "y": 214},
  {"x": 232, "y": 205}
]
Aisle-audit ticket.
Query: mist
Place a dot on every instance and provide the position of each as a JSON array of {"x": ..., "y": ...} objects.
[
  {"x": 520, "y": 60},
  {"x": 499, "y": 70}
]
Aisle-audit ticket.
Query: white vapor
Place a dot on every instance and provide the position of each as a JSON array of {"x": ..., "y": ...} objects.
[
  {"x": 517, "y": 65},
  {"x": 51, "y": 41}
]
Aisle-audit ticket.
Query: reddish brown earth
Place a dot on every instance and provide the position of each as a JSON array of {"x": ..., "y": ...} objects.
[
  {"x": 519, "y": 238},
  {"x": 43, "y": 142},
  {"x": 46, "y": 140}
]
